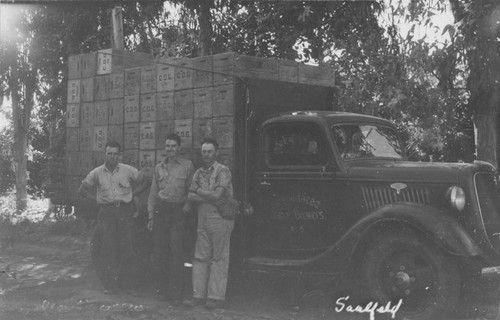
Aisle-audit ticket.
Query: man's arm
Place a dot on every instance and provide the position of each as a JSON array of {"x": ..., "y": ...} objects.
[{"x": 86, "y": 191}]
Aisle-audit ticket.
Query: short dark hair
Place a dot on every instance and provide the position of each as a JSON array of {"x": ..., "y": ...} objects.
[
  {"x": 113, "y": 144},
  {"x": 175, "y": 137},
  {"x": 210, "y": 141}
]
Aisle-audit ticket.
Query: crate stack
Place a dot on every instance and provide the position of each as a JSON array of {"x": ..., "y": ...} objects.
[{"x": 128, "y": 97}]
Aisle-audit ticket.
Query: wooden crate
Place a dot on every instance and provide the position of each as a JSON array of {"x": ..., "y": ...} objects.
[
  {"x": 74, "y": 91},
  {"x": 223, "y": 101},
  {"x": 184, "y": 128},
  {"x": 116, "y": 61},
  {"x": 75, "y": 66},
  {"x": 87, "y": 114},
  {"x": 73, "y": 115},
  {"x": 116, "y": 85},
  {"x": 86, "y": 138},
  {"x": 165, "y": 105},
  {"x": 101, "y": 113},
  {"x": 87, "y": 89},
  {"x": 223, "y": 65},
  {"x": 147, "y": 136},
  {"x": 100, "y": 138},
  {"x": 202, "y": 128},
  {"x": 73, "y": 161},
  {"x": 131, "y": 112},
  {"x": 86, "y": 163},
  {"x": 223, "y": 129},
  {"x": 148, "y": 79},
  {"x": 202, "y": 73},
  {"x": 256, "y": 67},
  {"x": 319, "y": 76},
  {"x": 163, "y": 129},
  {"x": 226, "y": 157},
  {"x": 183, "y": 71},
  {"x": 98, "y": 158},
  {"x": 89, "y": 64},
  {"x": 288, "y": 71},
  {"x": 183, "y": 104},
  {"x": 72, "y": 138},
  {"x": 131, "y": 157},
  {"x": 115, "y": 133},
  {"x": 147, "y": 162},
  {"x": 165, "y": 76},
  {"x": 131, "y": 136},
  {"x": 148, "y": 107},
  {"x": 203, "y": 101},
  {"x": 116, "y": 111},
  {"x": 132, "y": 81},
  {"x": 101, "y": 87}
]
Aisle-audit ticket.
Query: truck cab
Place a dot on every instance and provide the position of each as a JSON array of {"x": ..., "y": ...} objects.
[{"x": 334, "y": 193}]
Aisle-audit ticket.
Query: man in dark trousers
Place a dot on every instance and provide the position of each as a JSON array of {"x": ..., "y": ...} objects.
[
  {"x": 167, "y": 196},
  {"x": 114, "y": 185}
]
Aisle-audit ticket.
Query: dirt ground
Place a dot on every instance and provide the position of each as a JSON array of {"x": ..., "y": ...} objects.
[{"x": 52, "y": 278}]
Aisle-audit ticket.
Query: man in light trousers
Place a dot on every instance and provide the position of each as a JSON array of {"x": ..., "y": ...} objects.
[{"x": 211, "y": 259}]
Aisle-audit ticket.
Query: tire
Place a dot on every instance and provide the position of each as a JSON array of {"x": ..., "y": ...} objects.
[{"x": 411, "y": 268}]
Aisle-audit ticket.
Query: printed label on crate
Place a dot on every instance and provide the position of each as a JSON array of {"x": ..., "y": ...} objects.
[
  {"x": 116, "y": 110},
  {"x": 202, "y": 74},
  {"x": 223, "y": 68},
  {"x": 73, "y": 115},
  {"x": 163, "y": 129},
  {"x": 223, "y": 101},
  {"x": 116, "y": 85},
  {"x": 131, "y": 157},
  {"x": 101, "y": 113},
  {"x": 148, "y": 79},
  {"x": 165, "y": 77},
  {"x": 184, "y": 129},
  {"x": 75, "y": 66},
  {"x": 100, "y": 138},
  {"x": 131, "y": 113},
  {"x": 147, "y": 137},
  {"x": 86, "y": 136},
  {"x": 288, "y": 71},
  {"x": 183, "y": 75},
  {"x": 132, "y": 81},
  {"x": 104, "y": 61},
  {"x": 87, "y": 86},
  {"x": 131, "y": 136},
  {"x": 224, "y": 131},
  {"x": 74, "y": 91},
  {"x": 147, "y": 162},
  {"x": 203, "y": 101},
  {"x": 87, "y": 114},
  {"x": 165, "y": 105},
  {"x": 148, "y": 107},
  {"x": 183, "y": 104}
]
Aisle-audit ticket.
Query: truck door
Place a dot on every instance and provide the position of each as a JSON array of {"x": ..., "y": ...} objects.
[{"x": 295, "y": 191}]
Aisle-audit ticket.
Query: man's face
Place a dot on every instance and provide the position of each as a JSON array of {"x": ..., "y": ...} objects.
[
  {"x": 208, "y": 153},
  {"x": 112, "y": 156},
  {"x": 172, "y": 148}
]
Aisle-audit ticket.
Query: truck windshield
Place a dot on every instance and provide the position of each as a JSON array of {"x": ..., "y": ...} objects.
[{"x": 357, "y": 141}]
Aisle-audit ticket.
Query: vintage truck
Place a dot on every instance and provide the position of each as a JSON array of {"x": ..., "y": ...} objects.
[{"x": 332, "y": 193}]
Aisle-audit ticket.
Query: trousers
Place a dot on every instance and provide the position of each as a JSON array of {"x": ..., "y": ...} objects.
[
  {"x": 168, "y": 253},
  {"x": 211, "y": 257}
]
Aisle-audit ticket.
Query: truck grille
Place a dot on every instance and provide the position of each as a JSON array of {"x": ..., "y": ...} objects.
[{"x": 377, "y": 196}]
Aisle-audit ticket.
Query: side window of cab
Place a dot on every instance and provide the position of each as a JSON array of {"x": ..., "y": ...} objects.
[{"x": 295, "y": 145}]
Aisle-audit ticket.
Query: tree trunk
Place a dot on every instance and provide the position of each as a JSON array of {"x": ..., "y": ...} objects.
[{"x": 205, "y": 22}]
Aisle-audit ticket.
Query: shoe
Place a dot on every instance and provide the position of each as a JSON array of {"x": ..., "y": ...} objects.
[
  {"x": 214, "y": 304},
  {"x": 191, "y": 303}
]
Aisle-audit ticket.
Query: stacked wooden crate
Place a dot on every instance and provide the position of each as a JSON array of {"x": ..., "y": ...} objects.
[{"x": 136, "y": 101}]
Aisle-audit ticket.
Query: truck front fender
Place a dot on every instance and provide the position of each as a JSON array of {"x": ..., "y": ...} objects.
[{"x": 434, "y": 224}]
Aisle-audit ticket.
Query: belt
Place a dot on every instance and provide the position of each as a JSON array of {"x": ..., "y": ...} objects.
[{"x": 116, "y": 204}]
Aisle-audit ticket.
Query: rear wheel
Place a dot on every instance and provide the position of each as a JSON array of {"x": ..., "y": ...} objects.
[{"x": 411, "y": 268}]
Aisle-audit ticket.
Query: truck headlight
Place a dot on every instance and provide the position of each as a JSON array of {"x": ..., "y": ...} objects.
[{"x": 456, "y": 197}]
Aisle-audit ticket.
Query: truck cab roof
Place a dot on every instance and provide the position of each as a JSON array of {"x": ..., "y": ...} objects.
[{"x": 331, "y": 117}]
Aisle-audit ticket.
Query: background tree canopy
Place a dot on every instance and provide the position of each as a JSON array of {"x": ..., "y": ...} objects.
[{"x": 430, "y": 89}]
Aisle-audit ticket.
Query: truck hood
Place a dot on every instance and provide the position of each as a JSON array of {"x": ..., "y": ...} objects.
[{"x": 411, "y": 171}]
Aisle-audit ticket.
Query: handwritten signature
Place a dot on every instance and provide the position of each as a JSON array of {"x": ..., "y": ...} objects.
[{"x": 371, "y": 307}]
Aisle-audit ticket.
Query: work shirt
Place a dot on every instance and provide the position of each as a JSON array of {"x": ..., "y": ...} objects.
[
  {"x": 171, "y": 181},
  {"x": 114, "y": 186},
  {"x": 208, "y": 179}
]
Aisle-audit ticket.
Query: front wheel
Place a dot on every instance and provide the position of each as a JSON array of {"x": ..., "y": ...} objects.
[{"x": 410, "y": 268}]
